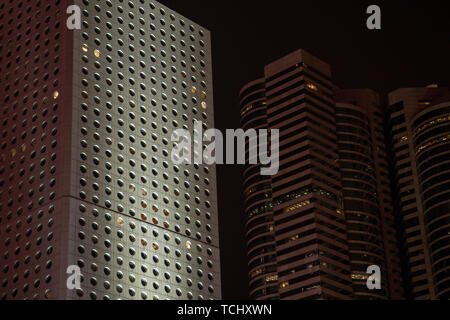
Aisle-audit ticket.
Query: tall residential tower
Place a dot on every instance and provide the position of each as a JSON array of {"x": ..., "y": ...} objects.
[
  {"x": 420, "y": 134},
  {"x": 86, "y": 177},
  {"x": 315, "y": 227},
  {"x": 367, "y": 192},
  {"x": 296, "y": 229}
]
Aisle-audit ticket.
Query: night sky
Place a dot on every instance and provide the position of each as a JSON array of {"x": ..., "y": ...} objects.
[{"x": 411, "y": 50}]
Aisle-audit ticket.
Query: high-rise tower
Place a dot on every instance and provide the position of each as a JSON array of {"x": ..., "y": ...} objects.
[
  {"x": 367, "y": 193},
  {"x": 296, "y": 229},
  {"x": 317, "y": 227},
  {"x": 420, "y": 132},
  {"x": 86, "y": 177}
]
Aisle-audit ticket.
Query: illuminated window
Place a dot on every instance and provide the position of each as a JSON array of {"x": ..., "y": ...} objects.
[
  {"x": 55, "y": 95},
  {"x": 204, "y": 105},
  {"x": 155, "y": 221},
  {"x": 143, "y": 204},
  {"x": 339, "y": 211},
  {"x": 120, "y": 221},
  {"x": 143, "y": 217},
  {"x": 23, "y": 148},
  {"x": 166, "y": 212},
  {"x": 13, "y": 153},
  {"x": 431, "y": 143},
  {"x": 360, "y": 276},
  {"x": 256, "y": 273},
  {"x": 48, "y": 294},
  {"x": 144, "y": 242},
  {"x": 203, "y": 94},
  {"x": 424, "y": 102},
  {"x": 155, "y": 246},
  {"x": 431, "y": 123},
  {"x": 297, "y": 206},
  {"x": 97, "y": 53},
  {"x": 85, "y": 48},
  {"x": 284, "y": 285},
  {"x": 188, "y": 244},
  {"x": 155, "y": 208},
  {"x": 312, "y": 86},
  {"x": 194, "y": 90},
  {"x": 271, "y": 278},
  {"x": 403, "y": 139}
]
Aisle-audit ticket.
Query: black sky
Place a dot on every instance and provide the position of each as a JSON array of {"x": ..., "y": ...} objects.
[{"x": 412, "y": 49}]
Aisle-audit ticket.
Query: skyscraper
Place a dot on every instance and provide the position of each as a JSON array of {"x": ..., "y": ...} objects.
[
  {"x": 419, "y": 121},
  {"x": 315, "y": 227},
  {"x": 367, "y": 192},
  {"x": 86, "y": 177},
  {"x": 296, "y": 229}
]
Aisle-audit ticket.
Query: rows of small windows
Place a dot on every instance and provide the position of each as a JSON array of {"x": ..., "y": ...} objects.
[
  {"x": 161, "y": 36},
  {"x": 257, "y": 110},
  {"x": 22, "y": 17},
  {"x": 365, "y": 247},
  {"x": 431, "y": 134},
  {"x": 433, "y": 217},
  {"x": 138, "y": 194},
  {"x": 316, "y": 254},
  {"x": 163, "y": 217},
  {"x": 437, "y": 179},
  {"x": 30, "y": 66},
  {"x": 135, "y": 150},
  {"x": 440, "y": 243},
  {"x": 358, "y": 185},
  {"x": 29, "y": 118},
  {"x": 269, "y": 293},
  {"x": 348, "y": 128},
  {"x": 354, "y": 122},
  {"x": 267, "y": 249},
  {"x": 135, "y": 157},
  {"x": 358, "y": 175},
  {"x": 354, "y": 139},
  {"x": 265, "y": 238},
  {"x": 431, "y": 153},
  {"x": 431, "y": 114},
  {"x": 28, "y": 255},
  {"x": 433, "y": 171},
  {"x": 142, "y": 98},
  {"x": 137, "y": 248},
  {"x": 269, "y": 259}
]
